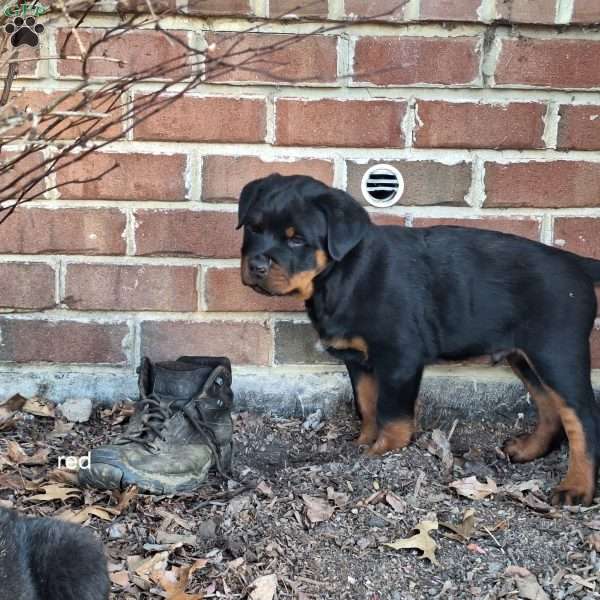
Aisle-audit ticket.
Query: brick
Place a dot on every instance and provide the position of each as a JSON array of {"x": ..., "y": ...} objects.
[
  {"x": 243, "y": 342},
  {"x": 26, "y": 285},
  {"x": 136, "y": 52},
  {"x": 223, "y": 177},
  {"x": 586, "y": 12},
  {"x": 141, "y": 6},
  {"x": 212, "y": 119},
  {"x": 219, "y": 7},
  {"x": 27, "y": 61},
  {"x": 293, "y": 8},
  {"x": 20, "y": 170},
  {"x": 527, "y": 11},
  {"x": 416, "y": 60},
  {"x": 543, "y": 184},
  {"x": 554, "y": 63},
  {"x": 578, "y": 234},
  {"x": 373, "y": 124},
  {"x": 381, "y": 218},
  {"x": 375, "y": 10},
  {"x": 205, "y": 234},
  {"x": 63, "y": 127},
  {"x": 579, "y": 127},
  {"x": 449, "y": 10},
  {"x": 137, "y": 176},
  {"x": 474, "y": 125},
  {"x": 425, "y": 182},
  {"x": 27, "y": 341},
  {"x": 225, "y": 292},
  {"x": 65, "y": 231},
  {"x": 284, "y": 58},
  {"x": 528, "y": 228},
  {"x": 296, "y": 343},
  {"x": 131, "y": 287}
]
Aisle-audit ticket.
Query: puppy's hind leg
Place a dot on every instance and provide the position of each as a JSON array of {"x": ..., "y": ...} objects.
[{"x": 365, "y": 387}]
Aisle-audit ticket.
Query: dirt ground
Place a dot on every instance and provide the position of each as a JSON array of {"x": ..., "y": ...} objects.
[{"x": 309, "y": 515}]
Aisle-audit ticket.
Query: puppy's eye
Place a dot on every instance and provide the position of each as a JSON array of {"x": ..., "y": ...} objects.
[{"x": 296, "y": 241}]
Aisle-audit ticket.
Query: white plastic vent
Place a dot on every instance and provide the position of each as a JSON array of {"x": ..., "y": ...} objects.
[{"x": 382, "y": 185}]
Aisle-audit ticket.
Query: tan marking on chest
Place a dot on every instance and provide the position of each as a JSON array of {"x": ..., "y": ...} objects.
[{"x": 354, "y": 343}]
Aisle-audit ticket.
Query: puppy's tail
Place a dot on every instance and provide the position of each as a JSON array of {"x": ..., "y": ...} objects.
[{"x": 591, "y": 267}]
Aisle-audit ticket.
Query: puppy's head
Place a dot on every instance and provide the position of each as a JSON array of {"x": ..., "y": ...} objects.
[{"x": 293, "y": 228}]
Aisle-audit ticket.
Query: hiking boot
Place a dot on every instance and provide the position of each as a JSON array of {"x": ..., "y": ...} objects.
[{"x": 180, "y": 430}]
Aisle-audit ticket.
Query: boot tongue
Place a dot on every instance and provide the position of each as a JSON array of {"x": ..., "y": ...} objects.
[{"x": 179, "y": 380}]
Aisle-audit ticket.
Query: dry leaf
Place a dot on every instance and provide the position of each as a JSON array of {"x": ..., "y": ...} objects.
[
  {"x": 38, "y": 407},
  {"x": 176, "y": 580},
  {"x": 264, "y": 588},
  {"x": 472, "y": 488},
  {"x": 82, "y": 516},
  {"x": 338, "y": 498},
  {"x": 64, "y": 476},
  {"x": 527, "y": 583},
  {"x": 439, "y": 446},
  {"x": 476, "y": 549},
  {"x": 593, "y": 541},
  {"x": 466, "y": 528},
  {"x": 264, "y": 489},
  {"x": 120, "y": 578},
  {"x": 125, "y": 497},
  {"x": 55, "y": 491},
  {"x": 19, "y": 457},
  {"x": 317, "y": 509},
  {"x": 593, "y": 524},
  {"x": 397, "y": 503},
  {"x": 422, "y": 541}
]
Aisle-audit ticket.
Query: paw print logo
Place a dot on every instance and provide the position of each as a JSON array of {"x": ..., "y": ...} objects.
[{"x": 24, "y": 31}]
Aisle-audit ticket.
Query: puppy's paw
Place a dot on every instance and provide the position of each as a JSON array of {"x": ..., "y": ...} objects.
[
  {"x": 368, "y": 434},
  {"x": 571, "y": 492},
  {"x": 522, "y": 448},
  {"x": 392, "y": 436}
]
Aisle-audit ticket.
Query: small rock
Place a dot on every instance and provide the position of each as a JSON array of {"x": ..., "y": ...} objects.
[
  {"x": 376, "y": 521},
  {"x": 207, "y": 530},
  {"x": 76, "y": 410},
  {"x": 116, "y": 531},
  {"x": 313, "y": 420}
]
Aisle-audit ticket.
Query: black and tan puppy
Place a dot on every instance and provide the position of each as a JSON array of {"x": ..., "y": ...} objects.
[
  {"x": 390, "y": 300},
  {"x": 48, "y": 559}
]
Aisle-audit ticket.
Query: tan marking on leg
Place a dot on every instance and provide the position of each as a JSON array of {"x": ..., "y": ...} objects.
[
  {"x": 393, "y": 436},
  {"x": 366, "y": 397},
  {"x": 529, "y": 446},
  {"x": 355, "y": 343},
  {"x": 579, "y": 484}
]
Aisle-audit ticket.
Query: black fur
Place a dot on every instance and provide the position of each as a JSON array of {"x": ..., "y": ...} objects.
[
  {"x": 48, "y": 559},
  {"x": 417, "y": 296}
]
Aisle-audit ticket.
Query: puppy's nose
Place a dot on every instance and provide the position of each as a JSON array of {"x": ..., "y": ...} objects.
[{"x": 259, "y": 266}]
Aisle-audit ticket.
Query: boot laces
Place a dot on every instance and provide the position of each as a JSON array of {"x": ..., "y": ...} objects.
[{"x": 154, "y": 414}]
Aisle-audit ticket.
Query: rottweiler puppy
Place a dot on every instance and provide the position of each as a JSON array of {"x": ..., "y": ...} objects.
[
  {"x": 48, "y": 559},
  {"x": 390, "y": 300}
]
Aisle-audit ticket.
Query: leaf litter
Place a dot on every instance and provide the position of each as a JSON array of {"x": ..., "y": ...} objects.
[{"x": 311, "y": 516}]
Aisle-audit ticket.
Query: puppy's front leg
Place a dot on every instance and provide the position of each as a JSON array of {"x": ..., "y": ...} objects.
[{"x": 398, "y": 390}]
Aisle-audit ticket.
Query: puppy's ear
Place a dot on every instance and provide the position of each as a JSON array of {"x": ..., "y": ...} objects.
[
  {"x": 247, "y": 199},
  {"x": 347, "y": 222}
]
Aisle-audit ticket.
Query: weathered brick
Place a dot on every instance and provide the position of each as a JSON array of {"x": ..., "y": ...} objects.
[
  {"x": 449, "y": 10},
  {"x": 527, "y": 11},
  {"x": 373, "y": 123},
  {"x": 586, "y": 11},
  {"x": 27, "y": 61},
  {"x": 201, "y": 119},
  {"x": 579, "y": 127},
  {"x": 415, "y": 60},
  {"x": 578, "y": 234},
  {"x": 65, "y": 231},
  {"x": 473, "y": 125},
  {"x": 382, "y": 218},
  {"x": 526, "y": 227},
  {"x": 219, "y": 7},
  {"x": 375, "y": 10},
  {"x": 131, "y": 287},
  {"x": 223, "y": 177},
  {"x": 294, "y": 8},
  {"x": 224, "y": 291},
  {"x": 137, "y": 176},
  {"x": 64, "y": 127},
  {"x": 279, "y": 58},
  {"x": 19, "y": 171},
  {"x": 296, "y": 343},
  {"x": 425, "y": 182},
  {"x": 243, "y": 342},
  {"x": 31, "y": 341},
  {"x": 554, "y": 63},
  {"x": 135, "y": 51},
  {"x": 158, "y": 6},
  {"x": 559, "y": 183},
  {"x": 26, "y": 285},
  {"x": 185, "y": 233}
]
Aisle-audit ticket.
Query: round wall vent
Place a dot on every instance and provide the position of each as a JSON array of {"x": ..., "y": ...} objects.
[{"x": 382, "y": 185}]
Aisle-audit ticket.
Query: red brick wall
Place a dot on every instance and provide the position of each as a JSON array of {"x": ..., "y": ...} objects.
[{"x": 493, "y": 119}]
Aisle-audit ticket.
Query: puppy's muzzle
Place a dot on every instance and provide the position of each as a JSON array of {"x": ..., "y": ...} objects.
[{"x": 258, "y": 267}]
